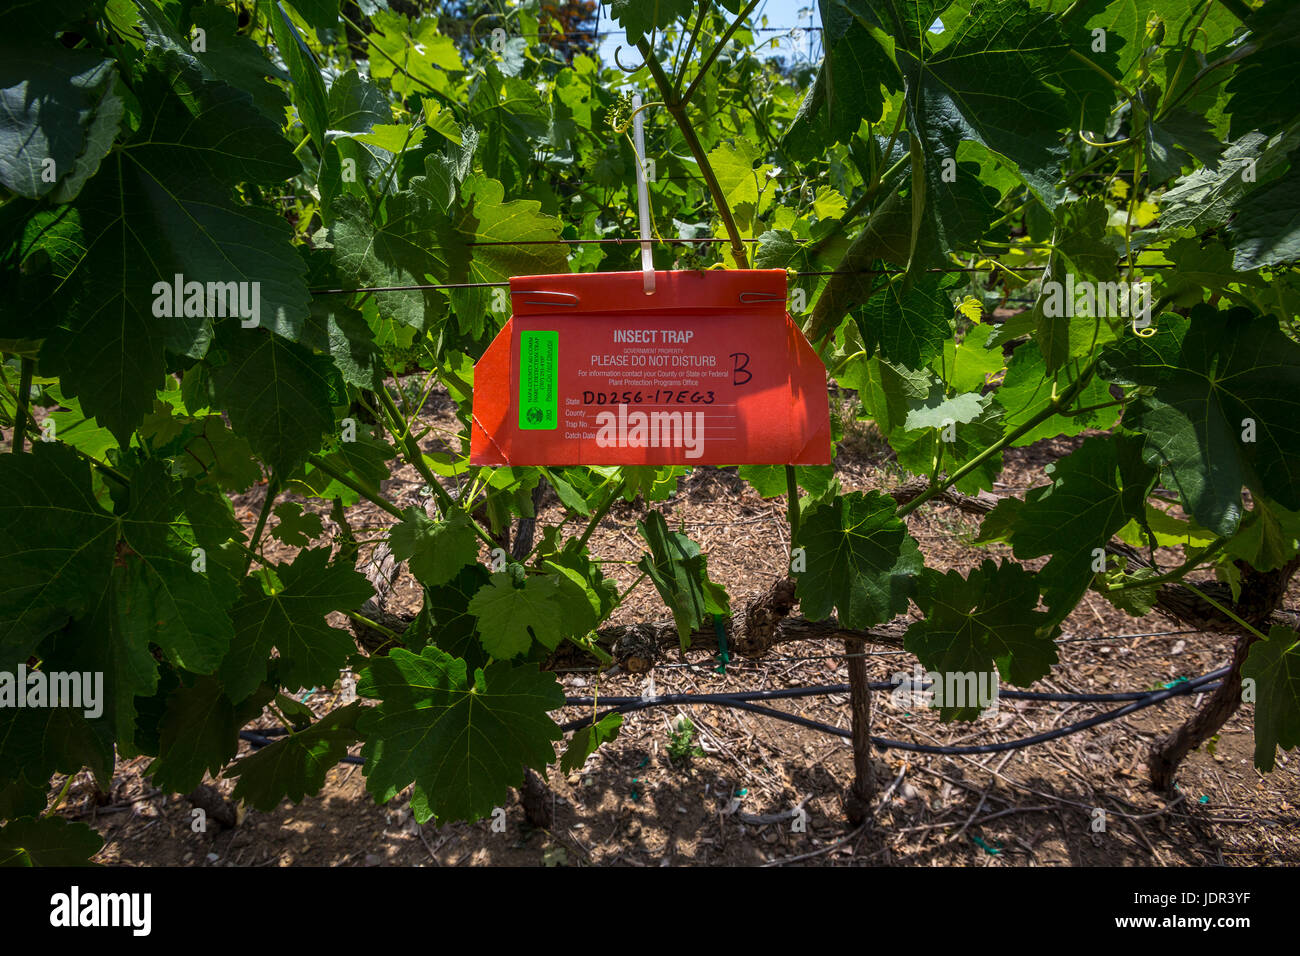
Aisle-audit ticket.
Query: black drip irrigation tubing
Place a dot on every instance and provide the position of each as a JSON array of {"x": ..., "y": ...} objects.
[{"x": 1137, "y": 700}]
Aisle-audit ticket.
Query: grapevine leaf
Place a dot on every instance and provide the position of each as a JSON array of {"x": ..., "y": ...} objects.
[
  {"x": 49, "y": 98},
  {"x": 1170, "y": 139},
  {"x": 47, "y": 841},
  {"x": 1266, "y": 229},
  {"x": 462, "y": 738},
  {"x": 1274, "y": 666},
  {"x": 453, "y": 624},
  {"x": 277, "y": 394},
  {"x": 848, "y": 86},
  {"x": 18, "y": 798},
  {"x": 290, "y": 616},
  {"x": 296, "y": 528},
  {"x": 513, "y": 610},
  {"x": 1212, "y": 375},
  {"x": 1013, "y": 104},
  {"x": 227, "y": 56},
  {"x": 679, "y": 572},
  {"x": 917, "y": 448},
  {"x": 436, "y": 550},
  {"x": 1262, "y": 92},
  {"x": 1095, "y": 491},
  {"x": 308, "y": 89},
  {"x": 1268, "y": 537},
  {"x": 414, "y": 57},
  {"x": 860, "y": 560},
  {"x": 586, "y": 740},
  {"x": 199, "y": 734},
  {"x": 589, "y": 597},
  {"x": 56, "y": 545},
  {"x": 936, "y": 411},
  {"x": 321, "y": 14},
  {"x": 639, "y": 17},
  {"x": 979, "y": 622},
  {"x": 295, "y": 766},
  {"x": 909, "y": 323},
  {"x": 1027, "y": 390},
  {"x": 161, "y": 207},
  {"x": 1207, "y": 198},
  {"x": 769, "y": 480}
]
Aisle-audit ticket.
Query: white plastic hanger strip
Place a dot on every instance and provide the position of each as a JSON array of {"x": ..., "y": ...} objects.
[{"x": 642, "y": 196}]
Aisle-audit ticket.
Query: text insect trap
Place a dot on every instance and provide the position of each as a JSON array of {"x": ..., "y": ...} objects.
[{"x": 709, "y": 370}]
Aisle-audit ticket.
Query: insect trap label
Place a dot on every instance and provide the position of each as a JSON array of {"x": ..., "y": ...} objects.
[{"x": 709, "y": 369}]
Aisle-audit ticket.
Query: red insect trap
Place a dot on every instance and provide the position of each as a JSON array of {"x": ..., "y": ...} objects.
[{"x": 709, "y": 370}]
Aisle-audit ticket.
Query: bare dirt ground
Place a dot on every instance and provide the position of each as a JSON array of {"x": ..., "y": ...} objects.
[{"x": 633, "y": 805}]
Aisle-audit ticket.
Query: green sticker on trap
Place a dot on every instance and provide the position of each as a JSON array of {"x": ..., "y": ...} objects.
[{"x": 539, "y": 380}]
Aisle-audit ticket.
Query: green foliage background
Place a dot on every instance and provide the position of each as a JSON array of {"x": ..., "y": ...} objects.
[{"x": 913, "y": 182}]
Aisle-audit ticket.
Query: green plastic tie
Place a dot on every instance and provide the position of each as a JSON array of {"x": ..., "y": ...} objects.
[{"x": 721, "y": 634}]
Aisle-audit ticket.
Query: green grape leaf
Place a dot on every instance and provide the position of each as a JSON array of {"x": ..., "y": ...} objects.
[
  {"x": 321, "y": 14},
  {"x": 47, "y": 841},
  {"x": 1026, "y": 392},
  {"x": 639, "y": 17},
  {"x": 1211, "y": 374},
  {"x": 936, "y": 411},
  {"x": 296, "y": 527},
  {"x": 416, "y": 242},
  {"x": 49, "y": 99},
  {"x": 1014, "y": 103},
  {"x": 277, "y": 394},
  {"x": 888, "y": 391},
  {"x": 909, "y": 323},
  {"x": 413, "y": 57},
  {"x": 1207, "y": 198},
  {"x": 887, "y": 235},
  {"x": 848, "y": 86},
  {"x": 18, "y": 798},
  {"x": 513, "y": 610},
  {"x": 1274, "y": 666},
  {"x": 679, "y": 572},
  {"x": 916, "y": 448},
  {"x": 453, "y": 625},
  {"x": 307, "y": 88},
  {"x": 289, "y": 614},
  {"x": 56, "y": 545},
  {"x": 860, "y": 560},
  {"x": 1263, "y": 91},
  {"x": 651, "y": 482},
  {"x": 295, "y": 766},
  {"x": 587, "y": 739},
  {"x": 227, "y": 55},
  {"x": 1095, "y": 491},
  {"x": 161, "y": 207},
  {"x": 589, "y": 597},
  {"x": 979, "y": 622},
  {"x": 1169, "y": 141},
  {"x": 1266, "y": 229},
  {"x": 435, "y": 550},
  {"x": 1268, "y": 537},
  {"x": 769, "y": 480},
  {"x": 463, "y": 739},
  {"x": 199, "y": 734}
]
